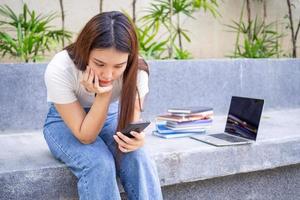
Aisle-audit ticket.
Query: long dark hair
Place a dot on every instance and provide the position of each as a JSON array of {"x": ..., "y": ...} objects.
[{"x": 106, "y": 30}]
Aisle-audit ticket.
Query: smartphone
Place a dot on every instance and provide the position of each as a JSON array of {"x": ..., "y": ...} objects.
[{"x": 136, "y": 126}]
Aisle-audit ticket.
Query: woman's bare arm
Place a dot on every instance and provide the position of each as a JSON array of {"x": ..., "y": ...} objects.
[
  {"x": 137, "y": 111},
  {"x": 85, "y": 127}
]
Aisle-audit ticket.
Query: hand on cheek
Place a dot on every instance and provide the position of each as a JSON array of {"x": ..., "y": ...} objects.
[{"x": 91, "y": 82}]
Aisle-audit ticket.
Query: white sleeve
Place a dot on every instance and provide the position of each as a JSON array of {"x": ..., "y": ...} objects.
[
  {"x": 142, "y": 83},
  {"x": 60, "y": 85}
]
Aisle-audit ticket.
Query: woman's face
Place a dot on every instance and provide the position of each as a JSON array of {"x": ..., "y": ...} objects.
[{"x": 109, "y": 64}]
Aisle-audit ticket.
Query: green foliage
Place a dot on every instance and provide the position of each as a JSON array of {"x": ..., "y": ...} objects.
[
  {"x": 163, "y": 14},
  {"x": 181, "y": 54},
  {"x": 260, "y": 40},
  {"x": 31, "y": 35},
  {"x": 150, "y": 48},
  {"x": 210, "y": 5},
  {"x": 159, "y": 13}
]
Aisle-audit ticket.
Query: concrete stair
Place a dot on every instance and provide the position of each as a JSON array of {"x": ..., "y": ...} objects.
[{"x": 186, "y": 167}]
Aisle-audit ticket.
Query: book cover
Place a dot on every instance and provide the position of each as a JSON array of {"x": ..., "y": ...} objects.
[
  {"x": 162, "y": 128},
  {"x": 190, "y": 109},
  {"x": 190, "y": 128},
  {"x": 174, "y": 135},
  {"x": 204, "y": 114},
  {"x": 189, "y": 124},
  {"x": 170, "y": 117},
  {"x": 195, "y": 122}
]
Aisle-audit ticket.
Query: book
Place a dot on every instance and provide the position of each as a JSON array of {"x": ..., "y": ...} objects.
[
  {"x": 191, "y": 109},
  {"x": 189, "y": 128},
  {"x": 163, "y": 131},
  {"x": 171, "y": 117},
  {"x": 162, "y": 128},
  {"x": 198, "y": 124},
  {"x": 188, "y": 123},
  {"x": 175, "y": 135},
  {"x": 205, "y": 113}
]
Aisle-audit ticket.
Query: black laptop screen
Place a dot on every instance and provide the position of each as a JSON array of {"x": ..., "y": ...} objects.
[{"x": 244, "y": 117}]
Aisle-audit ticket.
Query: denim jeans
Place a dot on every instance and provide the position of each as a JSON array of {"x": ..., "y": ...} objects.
[{"x": 94, "y": 164}]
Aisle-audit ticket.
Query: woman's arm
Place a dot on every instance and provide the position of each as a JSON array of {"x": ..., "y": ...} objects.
[
  {"x": 137, "y": 109},
  {"x": 85, "y": 127}
]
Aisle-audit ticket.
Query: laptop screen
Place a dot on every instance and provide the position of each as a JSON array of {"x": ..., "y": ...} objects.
[{"x": 244, "y": 117}]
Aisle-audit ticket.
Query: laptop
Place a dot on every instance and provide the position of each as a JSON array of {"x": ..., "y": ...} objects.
[{"x": 241, "y": 125}]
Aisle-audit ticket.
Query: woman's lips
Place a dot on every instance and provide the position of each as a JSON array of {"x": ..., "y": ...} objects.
[{"x": 105, "y": 83}]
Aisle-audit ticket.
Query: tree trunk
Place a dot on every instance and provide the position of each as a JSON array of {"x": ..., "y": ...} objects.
[
  {"x": 133, "y": 11},
  {"x": 170, "y": 47},
  {"x": 265, "y": 11},
  {"x": 179, "y": 31},
  {"x": 297, "y": 31},
  {"x": 239, "y": 31},
  {"x": 248, "y": 11},
  {"x": 62, "y": 20},
  {"x": 249, "y": 16},
  {"x": 101, "y": 6},
  {"x": 292, "y": 30}
]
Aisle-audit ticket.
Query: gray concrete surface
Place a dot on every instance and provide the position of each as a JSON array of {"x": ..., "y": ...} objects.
[
  {"x": 27, "y": 169},
  {"x": 276, "y": 184},
  {"x": 188, "y": 169},
  {"x": 172, "y": 83}
]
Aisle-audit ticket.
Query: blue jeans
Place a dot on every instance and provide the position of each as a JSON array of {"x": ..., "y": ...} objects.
[{"x": 94, "y": 164}]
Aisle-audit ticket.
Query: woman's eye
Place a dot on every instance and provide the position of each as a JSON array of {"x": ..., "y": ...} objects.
[
  {"x": 99, "y": 65},
  {"x": 119, "y": 66}
]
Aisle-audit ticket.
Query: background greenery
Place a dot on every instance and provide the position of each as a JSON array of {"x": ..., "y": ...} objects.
[
  {"x": 28, "y": 35},
  {"x": 161, "y": 27}
]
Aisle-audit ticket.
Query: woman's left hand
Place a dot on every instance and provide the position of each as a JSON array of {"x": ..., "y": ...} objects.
[{"x": 126, "y": 144}]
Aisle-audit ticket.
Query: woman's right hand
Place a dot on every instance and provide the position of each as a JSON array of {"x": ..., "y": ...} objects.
[{"x": 91, "y": 82}]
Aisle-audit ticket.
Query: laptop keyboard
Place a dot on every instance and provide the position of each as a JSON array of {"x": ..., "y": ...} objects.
[{"x": 227, "y": 138}]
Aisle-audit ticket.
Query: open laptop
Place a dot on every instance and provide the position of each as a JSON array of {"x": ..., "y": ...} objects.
[{"x": 242, "y": 123}]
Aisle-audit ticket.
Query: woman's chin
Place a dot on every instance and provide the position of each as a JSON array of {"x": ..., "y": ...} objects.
[{"x": 105, "y": 85}]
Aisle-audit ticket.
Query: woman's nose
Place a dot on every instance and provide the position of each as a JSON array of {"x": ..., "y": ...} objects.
[{"x": 107, "y": 75}]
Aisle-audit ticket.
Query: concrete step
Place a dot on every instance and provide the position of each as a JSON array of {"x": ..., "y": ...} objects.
[{"x": 28, "y": 170}]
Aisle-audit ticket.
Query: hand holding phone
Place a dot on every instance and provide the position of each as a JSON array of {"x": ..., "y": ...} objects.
[
  {"x": 136, "y": 126},
  {"x": 124, "y": 138}
]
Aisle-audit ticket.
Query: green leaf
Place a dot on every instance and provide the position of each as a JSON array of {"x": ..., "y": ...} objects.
[
  {"x": 186, "y": 36},
  {"x": 32, "y": 33}
]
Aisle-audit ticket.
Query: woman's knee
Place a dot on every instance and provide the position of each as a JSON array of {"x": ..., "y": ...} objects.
[
  {"x": 103, "y": 164},
  {"x": 138, "y": 157},
  {"x": 53, "y": 145},
  {"x": 81, "y": 158}
]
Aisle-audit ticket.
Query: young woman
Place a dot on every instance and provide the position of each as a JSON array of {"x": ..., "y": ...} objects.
[{"x": 95, "y": 89}]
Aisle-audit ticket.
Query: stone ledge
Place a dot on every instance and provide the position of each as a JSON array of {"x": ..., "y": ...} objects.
[
  {"x": 209, "y": 82},
  {"x": 27, "y": 167}
]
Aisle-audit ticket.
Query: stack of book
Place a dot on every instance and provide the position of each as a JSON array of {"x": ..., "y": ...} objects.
[{"x": 182, "y": 122}]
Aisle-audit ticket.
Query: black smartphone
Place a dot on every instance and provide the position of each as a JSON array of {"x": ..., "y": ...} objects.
[{"x": 136, "y": 126}]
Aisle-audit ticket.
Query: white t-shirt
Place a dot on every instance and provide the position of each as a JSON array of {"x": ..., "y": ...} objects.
[{"x": 62, "y": 80}]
